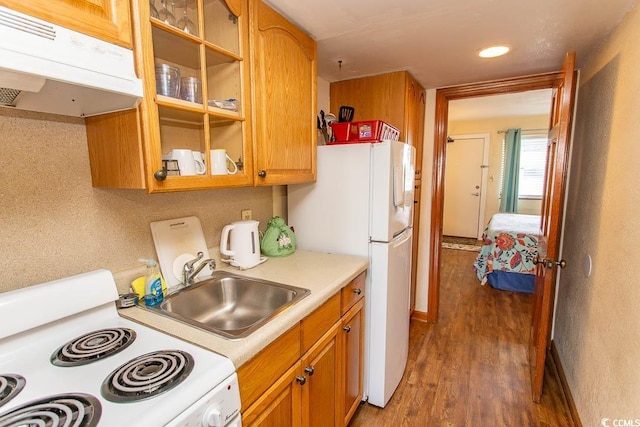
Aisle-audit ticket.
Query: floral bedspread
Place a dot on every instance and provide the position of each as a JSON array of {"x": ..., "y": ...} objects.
[{"x": 510, "y": 243}]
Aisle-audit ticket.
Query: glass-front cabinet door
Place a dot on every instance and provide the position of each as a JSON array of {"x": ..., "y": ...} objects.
[{"x": 195, "y": 62}]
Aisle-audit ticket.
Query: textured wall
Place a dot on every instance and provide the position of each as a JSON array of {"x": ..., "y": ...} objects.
[
  {"x": 597, "y": 325},
  {"x": 55, "y": 224}
]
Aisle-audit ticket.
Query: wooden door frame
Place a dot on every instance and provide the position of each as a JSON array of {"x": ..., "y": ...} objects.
[{"x": 443, "y": 96}]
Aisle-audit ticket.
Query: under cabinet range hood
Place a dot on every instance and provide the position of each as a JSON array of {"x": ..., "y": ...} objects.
[{"x": 51, "y": 69}]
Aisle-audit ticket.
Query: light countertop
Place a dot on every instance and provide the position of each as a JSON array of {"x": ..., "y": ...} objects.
[{"x": 322, "y": 274}]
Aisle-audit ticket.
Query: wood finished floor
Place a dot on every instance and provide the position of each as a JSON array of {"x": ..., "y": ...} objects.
[
  {"x": 470, "y": 368},
  {"x": 461, "y": 240}
]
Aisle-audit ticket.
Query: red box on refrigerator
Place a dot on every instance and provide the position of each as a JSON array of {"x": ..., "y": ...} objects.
[{"x": 363, "y": 131}]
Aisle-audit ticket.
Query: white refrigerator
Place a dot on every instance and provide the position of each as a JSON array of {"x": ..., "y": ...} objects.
[{"x": 362, "y": 204}]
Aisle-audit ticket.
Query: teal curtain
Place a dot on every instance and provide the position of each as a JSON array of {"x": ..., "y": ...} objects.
[{"x": 510, "y": 178}]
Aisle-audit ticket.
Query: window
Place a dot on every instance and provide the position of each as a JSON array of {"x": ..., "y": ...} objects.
[{"x": 533, "y": 157}]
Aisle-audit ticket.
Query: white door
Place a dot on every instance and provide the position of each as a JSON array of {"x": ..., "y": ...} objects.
[
  {"x": 463, "y": 186},
  {"x": 387, "y": 311}
]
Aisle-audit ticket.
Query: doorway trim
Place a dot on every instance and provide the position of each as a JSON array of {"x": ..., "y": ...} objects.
[
  {"x": 443, "y": 96},
  {"x": 484, "y": 178}
]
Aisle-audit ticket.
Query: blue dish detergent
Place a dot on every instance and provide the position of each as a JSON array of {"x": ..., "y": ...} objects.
[{"x": 153, "y": 294}]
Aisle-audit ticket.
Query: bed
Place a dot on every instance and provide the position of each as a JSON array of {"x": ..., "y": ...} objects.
[{"x": 510, "y": 244}]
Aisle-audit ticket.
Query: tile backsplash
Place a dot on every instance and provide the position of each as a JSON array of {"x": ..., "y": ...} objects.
[{"x": 55, "y": 224}]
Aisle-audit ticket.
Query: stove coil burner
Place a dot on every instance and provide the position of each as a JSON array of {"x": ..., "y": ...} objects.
[
  {"x": 10, "y": 386},
  {"x": 147, "y": 376},
  {"x": 93, "y": 346},
  {"x": 62, "y": 410}
]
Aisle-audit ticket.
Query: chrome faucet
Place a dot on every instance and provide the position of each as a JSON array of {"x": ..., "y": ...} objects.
[{"x": 189, "y": 272}]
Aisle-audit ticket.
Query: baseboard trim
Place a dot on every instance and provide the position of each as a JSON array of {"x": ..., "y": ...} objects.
[
  {"x": 420, "y": 316},
  {"x": 557, "y": 365}
]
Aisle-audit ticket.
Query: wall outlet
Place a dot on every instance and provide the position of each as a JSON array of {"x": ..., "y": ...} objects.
[{"x": 246, "y": 214}]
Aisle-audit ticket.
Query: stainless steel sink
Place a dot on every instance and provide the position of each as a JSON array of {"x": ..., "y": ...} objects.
[{"x": 230, "y": 305}]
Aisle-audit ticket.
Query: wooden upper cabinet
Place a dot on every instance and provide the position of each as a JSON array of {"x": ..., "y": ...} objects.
[
  {"x": 284, "y": 70},
  {"x": 380, "y": 97},
  {"x": 108, "y": 20},
  {"x": 136, "y": 148},
  {"x": 414, "y": 119},
  {"x": 395, "y": 98}
]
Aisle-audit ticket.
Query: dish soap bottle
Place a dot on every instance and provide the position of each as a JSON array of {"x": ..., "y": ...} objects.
[{"x": 153, "y": 294}]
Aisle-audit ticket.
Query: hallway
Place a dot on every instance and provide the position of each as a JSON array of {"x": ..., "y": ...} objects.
[{"x": 470, "y": 369}]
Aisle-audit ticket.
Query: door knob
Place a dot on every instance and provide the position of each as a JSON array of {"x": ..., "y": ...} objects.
[
  {"x": 262, "y": 173},
  {"x": 347, "y": 329},
  {"x": 301, "y": 379},
  {"x": 549, "y": 263},
  {"x": 310, "y": 370}
]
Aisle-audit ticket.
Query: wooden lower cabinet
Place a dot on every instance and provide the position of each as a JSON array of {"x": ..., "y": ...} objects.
[
  {"x": 320, "y": 393},
  {"x": 308, "y": 394},
  {"x": 280, "y": 405},
  {"x": 324, "y": 386},
  {"x": 352, "y": 357}
]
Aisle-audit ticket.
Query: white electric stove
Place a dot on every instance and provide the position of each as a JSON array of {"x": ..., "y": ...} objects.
[{"x": 68, "y": 359}]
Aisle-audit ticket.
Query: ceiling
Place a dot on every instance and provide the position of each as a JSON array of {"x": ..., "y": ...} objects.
[{"x": 437, "y": 40}]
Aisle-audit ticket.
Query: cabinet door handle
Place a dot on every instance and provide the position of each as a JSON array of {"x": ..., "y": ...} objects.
[
  {"x": 357, "y": 291},
  {"x": 347, "y": 329},
  {"x": 301, "y": 379},
  {"x": 310, "y": 370},
  {"x": 160, "y": 175},
  {"x": 262, "y": 173}
]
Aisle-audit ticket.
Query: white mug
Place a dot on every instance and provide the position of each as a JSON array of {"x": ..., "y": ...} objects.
[
  {"x": 186, "y": 161},
  {"x": 219, "y": 158},
  {"x": 198, "y": 157}
]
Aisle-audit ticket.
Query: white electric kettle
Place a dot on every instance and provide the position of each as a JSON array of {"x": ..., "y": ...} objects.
[{"x": 240, "y": 241}]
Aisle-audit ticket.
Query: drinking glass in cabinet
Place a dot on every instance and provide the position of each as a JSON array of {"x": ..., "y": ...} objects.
[
  {"x": 167, "y": 80},
  {"x": 165, "y": 15},
  {"x": 185, "y": 23},
  {"x": 191, "y": 89}
]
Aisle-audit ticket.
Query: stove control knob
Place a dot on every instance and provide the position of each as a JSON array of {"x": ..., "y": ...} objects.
[{"x": 213, "y": 417}]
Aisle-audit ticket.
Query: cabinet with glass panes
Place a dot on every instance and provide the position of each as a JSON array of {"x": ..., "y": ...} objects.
[{"x": 193, "y": 58}]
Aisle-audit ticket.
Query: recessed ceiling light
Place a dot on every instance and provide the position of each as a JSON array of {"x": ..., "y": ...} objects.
[{"x": 493, "y": 51}]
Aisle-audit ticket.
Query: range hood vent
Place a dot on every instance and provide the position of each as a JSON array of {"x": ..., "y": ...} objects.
[{"x": 48, "y": 68}]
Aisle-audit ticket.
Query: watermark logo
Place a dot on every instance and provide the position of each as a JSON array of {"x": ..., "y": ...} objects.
[{"x": 620, "y": 422}]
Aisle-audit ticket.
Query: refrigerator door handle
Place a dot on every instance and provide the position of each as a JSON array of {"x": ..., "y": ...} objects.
[
  {"x": 398, "y": 186},
  {"x": 401, "y": 238}
]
